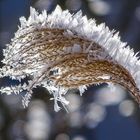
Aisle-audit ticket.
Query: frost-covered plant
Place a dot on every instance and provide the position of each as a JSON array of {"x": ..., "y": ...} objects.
[{"x": 62, "y": 51}]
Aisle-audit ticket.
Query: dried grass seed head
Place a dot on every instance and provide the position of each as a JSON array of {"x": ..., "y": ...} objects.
[{"x": 62, "y": 51}]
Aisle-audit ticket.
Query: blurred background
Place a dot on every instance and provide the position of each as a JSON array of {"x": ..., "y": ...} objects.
[{"x": 101, "y": 113}]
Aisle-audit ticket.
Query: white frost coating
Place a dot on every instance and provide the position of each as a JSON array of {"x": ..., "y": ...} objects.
[
  {"x": 76, "y": 48},
  {"x": 82, "y": 89},
  {"x": 74, "y": 25},
  {"x": 104, "y": 77}
]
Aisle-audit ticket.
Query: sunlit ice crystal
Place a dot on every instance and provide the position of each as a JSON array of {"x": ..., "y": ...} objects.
[{"x": 62, "y": 51}]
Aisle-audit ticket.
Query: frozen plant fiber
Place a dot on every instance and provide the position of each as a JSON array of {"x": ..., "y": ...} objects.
[{"x": 62, "y": 51}]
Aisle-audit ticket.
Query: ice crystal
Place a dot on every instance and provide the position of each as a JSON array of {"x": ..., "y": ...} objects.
[{"x": 62, "y": 51}]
